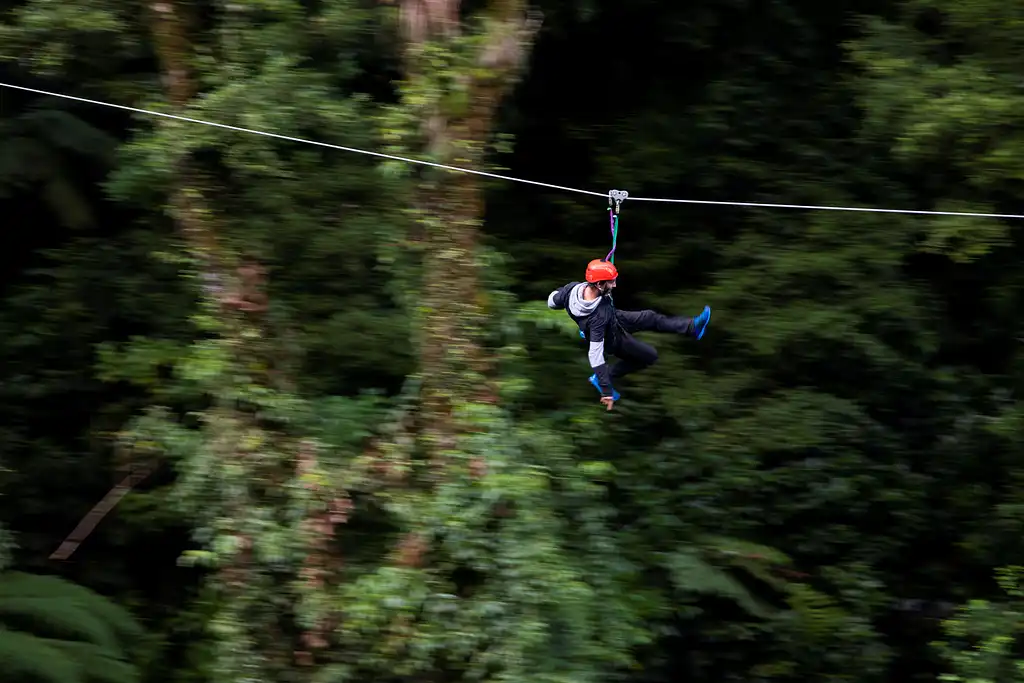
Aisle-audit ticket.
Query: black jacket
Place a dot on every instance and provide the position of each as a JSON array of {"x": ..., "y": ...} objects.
[{"x": 598, "y": 323}]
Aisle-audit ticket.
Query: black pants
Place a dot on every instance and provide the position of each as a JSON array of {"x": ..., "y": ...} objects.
[{"x": 634, "y": 354}]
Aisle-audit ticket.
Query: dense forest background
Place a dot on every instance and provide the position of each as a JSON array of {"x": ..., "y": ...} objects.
[{"x": 365, "y": 449}]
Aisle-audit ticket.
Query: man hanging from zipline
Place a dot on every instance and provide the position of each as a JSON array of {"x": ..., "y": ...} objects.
[{"x": 610, "y": 331}]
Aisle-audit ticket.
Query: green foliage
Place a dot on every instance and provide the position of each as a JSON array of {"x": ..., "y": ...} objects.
[
  {"x": 983, "y": 640},
  {"x": 941, "y": 92},
  {"x": 761, "y": 506},
  {"x": 54, "y": 631},
  {"x": 99, "y": 38}
]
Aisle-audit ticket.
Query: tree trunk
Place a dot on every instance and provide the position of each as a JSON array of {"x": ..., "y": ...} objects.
[
  {"x": 454, "y": 366},
  {"x": 262, "y": 642},
  {"x": 174, "y": 54}
]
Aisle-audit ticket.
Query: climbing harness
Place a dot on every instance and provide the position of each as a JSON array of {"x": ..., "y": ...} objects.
[{"x": 615, "y": 199}]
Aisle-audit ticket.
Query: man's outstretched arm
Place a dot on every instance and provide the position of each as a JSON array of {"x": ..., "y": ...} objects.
[{"x": 558, "y": 299}]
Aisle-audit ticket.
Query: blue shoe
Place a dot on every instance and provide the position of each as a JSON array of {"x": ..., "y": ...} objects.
[
  {"x": 597, "y": 385},
  {"x": 700, "y": 323}
]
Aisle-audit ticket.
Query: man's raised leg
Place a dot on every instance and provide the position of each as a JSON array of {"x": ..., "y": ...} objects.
[{"x": 652, "y": 321}]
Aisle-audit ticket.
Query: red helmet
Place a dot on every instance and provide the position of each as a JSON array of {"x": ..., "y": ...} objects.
[{"x": 600, "y": 270}]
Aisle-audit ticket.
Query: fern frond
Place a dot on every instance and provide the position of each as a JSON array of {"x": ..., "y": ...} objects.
[
  {"x": 6, "y": 548},
  {"x": 53, "y": 617},
  {"x": 66, "y": 131},
  {"x": 52, "y": 630},
  {"x": 98, "y": 665},
  {"x": 755, "y": 559},
  {"x": 66, "y": 610},
  {"x": 24, "y": 657},
  {"x": 691, "y": 573},
  {"x": 70, "y": 206},
  {"x": 819, "y": 615},
  {"x": 735, "y": 547}
]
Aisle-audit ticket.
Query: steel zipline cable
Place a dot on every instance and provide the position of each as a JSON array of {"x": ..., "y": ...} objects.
[{"x": 458, "y": 169}]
